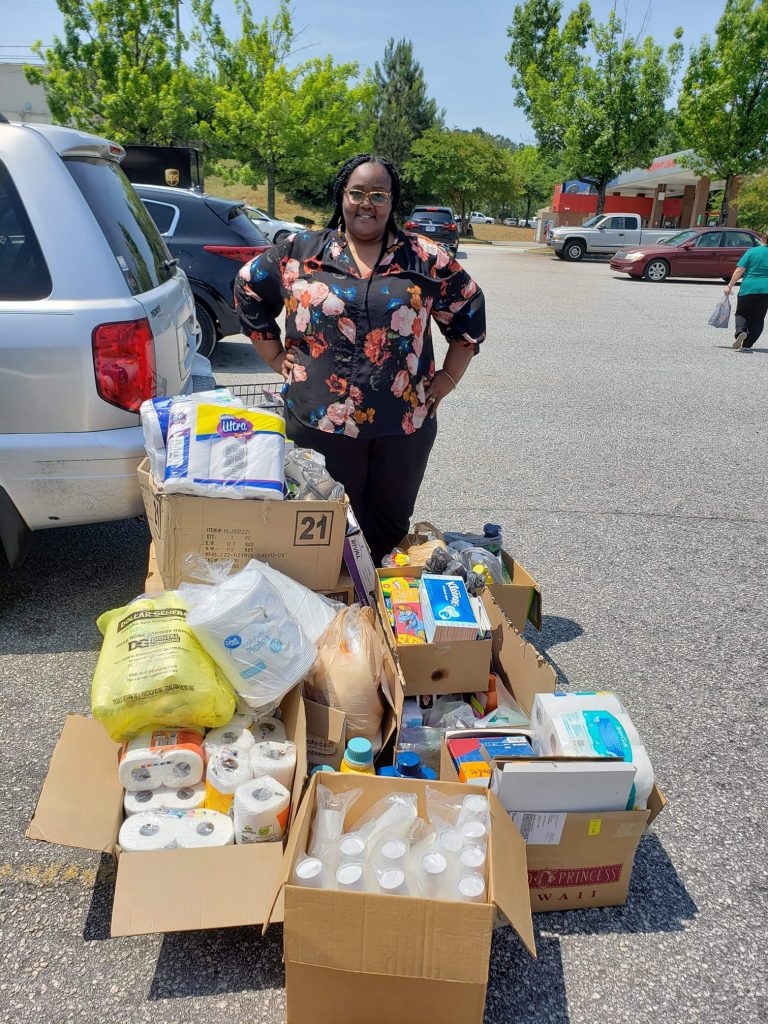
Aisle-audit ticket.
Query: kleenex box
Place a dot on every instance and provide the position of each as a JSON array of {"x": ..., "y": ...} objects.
[{"x": 447, "y": 610}]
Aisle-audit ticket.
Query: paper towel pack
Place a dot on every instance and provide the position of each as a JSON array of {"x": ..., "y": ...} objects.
[
  {"x": 162, "y": 757},
  {"x": 261, "y": 809}
]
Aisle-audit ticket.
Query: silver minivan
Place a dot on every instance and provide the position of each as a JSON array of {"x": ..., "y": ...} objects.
[{"x": 95, "y": 317}]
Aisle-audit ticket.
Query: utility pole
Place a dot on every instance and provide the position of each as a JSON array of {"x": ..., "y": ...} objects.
[{"x": 178, "y": 34}]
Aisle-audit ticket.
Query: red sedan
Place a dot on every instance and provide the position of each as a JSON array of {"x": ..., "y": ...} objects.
[{"x": 695, "y": 252}]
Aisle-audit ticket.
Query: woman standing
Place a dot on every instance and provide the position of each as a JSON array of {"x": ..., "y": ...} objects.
[
  {"x": 358, "y": 358},
  {"x": 752, "y": 303}
]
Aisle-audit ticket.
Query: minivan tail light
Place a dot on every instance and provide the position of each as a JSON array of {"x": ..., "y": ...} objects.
[
  {"x": 241, "y": 253},
  {"x": 411, "y": 224},
  {"x": 124, "y": 363}
]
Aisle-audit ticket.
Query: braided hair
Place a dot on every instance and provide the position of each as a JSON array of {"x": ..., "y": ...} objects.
[{"x": 343, "y": 176}]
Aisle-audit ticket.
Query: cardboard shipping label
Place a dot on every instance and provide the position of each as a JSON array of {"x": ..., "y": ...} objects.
[{"x": 539, "y": 829}]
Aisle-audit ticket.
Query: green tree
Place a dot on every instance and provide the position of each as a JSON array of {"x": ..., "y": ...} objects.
[
  {"x": 537, "y": 175},
  {"x": 724, "y": 97},
  {"x": 591, "y": 91},
  {"x": 463, "y": 168},
  {"x": 290, "y": 125},
  {"x": 117, "y": 71},
  {"x": 401, "y": 106},
  {"x": 753, "y": 202}
]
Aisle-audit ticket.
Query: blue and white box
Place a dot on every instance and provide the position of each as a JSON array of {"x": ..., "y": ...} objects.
[{"x": 447, "y": 609}]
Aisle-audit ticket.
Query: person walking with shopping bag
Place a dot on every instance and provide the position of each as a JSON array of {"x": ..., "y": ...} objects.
[
  {"x": 752, "y": 304},
  {"x": 362, "y": 385}
]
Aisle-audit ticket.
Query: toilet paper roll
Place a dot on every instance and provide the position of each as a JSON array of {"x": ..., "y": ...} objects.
[
  {"x": 149, "y": 830},
  {"x": 162, "y": 757},
  {"x": 187, "y": 798},
  {"x": 183, "y": 766},
  {"x": 228, "y": 736},
  {"x": 261, "y": 809},
  {"x": 205, "y": 828},
  {"x": 228, "y": 768},
  {"x": 278, "y": 760},
  {"x": 242, "y": 719},
  {"x": 268, "y": 729}
]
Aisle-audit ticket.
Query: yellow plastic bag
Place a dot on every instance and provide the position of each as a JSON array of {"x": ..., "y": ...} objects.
[{"x": 153, "y": 672}]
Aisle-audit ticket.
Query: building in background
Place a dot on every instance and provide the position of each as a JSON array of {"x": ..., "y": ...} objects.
[
  {"x": 666, "y": 194},
  {"x": 19, "y": 100}
]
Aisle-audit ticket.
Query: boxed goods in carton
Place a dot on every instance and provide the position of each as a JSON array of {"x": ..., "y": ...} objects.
[
  {"x": 208, "y": 446},
  {"x": 480, "y": 554},
  {"x": 381, "y": 877}
]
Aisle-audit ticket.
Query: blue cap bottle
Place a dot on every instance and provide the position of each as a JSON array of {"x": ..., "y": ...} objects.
[{"x": 408, "y": 766}]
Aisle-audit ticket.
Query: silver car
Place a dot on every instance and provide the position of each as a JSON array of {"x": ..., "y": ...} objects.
[
  {"x": 95, "y": 317},
  {"x": 274, "y": 229}
]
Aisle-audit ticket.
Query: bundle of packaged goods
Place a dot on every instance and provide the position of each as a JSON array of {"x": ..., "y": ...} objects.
[
  {"x": 435, "y": 609},
  {"x": 210, "y": 445},
  {"x": 480, "y": 560},
  {"x": 176, "y": 663},
  {"x": 392, "y": 851}
]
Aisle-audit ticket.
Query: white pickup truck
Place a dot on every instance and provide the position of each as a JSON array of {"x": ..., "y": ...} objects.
[{"x": 604, "y": 233}]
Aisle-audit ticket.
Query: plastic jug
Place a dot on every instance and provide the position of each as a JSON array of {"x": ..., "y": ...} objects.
[
  {"x": 358, "y": 757},
  {"x": 408, "y": 766}
]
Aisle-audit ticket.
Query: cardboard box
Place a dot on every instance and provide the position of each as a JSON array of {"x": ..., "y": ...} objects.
[
  {"x": 456, "y": 667},
  {"x": 81, "y": 805},
  {"x": 303, "y": 539},
  {"x": 577, "y": 859},
  {"x": 520, "y": 600},
  {"x": 396, "y": 959},
  {"x": 563, "y": 784}
]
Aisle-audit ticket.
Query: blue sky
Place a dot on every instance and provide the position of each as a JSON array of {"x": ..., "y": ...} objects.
[{"x": 461, "y": 44}]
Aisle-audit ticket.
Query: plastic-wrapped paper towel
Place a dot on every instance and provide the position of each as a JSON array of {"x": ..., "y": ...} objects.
[
  {"x": 205, "y": 828},
  {"x": 268, "y": 729},
  {"x": 228, "y": 736},
  {"x": 228, "y": 768},
  {"x": 162, "y": 757},
  {"x": 149, "y": 830},
  {"x": 278, "y": 760},
  {"x": 261, "y": 809},
  {"x": 244, "y": 626},
  {"x": 155, "y": 414},
  {"x": 313, "y": 611},
  {"x": 225, "y": 451},
  {"x": 186, "y": 798}
]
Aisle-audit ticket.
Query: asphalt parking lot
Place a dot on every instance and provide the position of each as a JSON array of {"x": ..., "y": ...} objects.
[{"x": 622, "y": 445}]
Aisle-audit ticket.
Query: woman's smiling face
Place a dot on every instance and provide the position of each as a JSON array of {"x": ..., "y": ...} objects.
[{"x": 364, "y": 221}]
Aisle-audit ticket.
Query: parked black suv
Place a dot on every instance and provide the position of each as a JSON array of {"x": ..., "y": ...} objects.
[
  {"x": 210, "y": 238},
  {"x": 436, "y": 222}
]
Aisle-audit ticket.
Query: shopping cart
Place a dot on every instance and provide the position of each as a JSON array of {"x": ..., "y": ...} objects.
[{"x": 259, "y": 395}]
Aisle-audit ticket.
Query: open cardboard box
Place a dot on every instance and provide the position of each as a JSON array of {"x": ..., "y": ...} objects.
[
  {"x": 379, "y": 959},
  {"x": 520, "y": 600},
  {"x": 576, "y": 859},
  {"x": 81, "y": 805},
  {"x": 456, "y": 667},
  {"x": 303, "y": 539}
]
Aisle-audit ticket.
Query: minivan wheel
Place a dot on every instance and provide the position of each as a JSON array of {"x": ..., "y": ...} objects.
[
  {"x": 208, "y": 336},
  {"x": 574, "y": 251},
  {"x": 656, "y": 271}
]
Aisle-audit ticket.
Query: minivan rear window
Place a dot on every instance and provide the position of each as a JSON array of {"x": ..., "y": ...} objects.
[
  {"x": 139, "y": 250},
  {"x": 24, "y": 274}
]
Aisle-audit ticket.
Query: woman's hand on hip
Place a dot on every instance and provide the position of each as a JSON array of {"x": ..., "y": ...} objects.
[
  {"x": 440, "y": 386},
  {"x": 283, "y": 363}
]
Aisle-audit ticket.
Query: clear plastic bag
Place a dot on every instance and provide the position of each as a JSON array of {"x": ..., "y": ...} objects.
[
  {"x": 308, "y": 479},
  {"x": 721, "y": 314},
  {"x": 243, "y": 623}
]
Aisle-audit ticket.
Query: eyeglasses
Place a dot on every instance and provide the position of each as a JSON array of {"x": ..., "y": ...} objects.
[{"x": 357, "y": 196}]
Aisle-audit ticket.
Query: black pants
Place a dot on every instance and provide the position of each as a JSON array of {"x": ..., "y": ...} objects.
[
  {"x": 750, "y": 316},
  {"x": 382, "y": 476}
]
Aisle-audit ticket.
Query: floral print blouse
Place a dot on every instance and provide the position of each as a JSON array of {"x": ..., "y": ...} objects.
[{"x": 363, "y": 345}]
